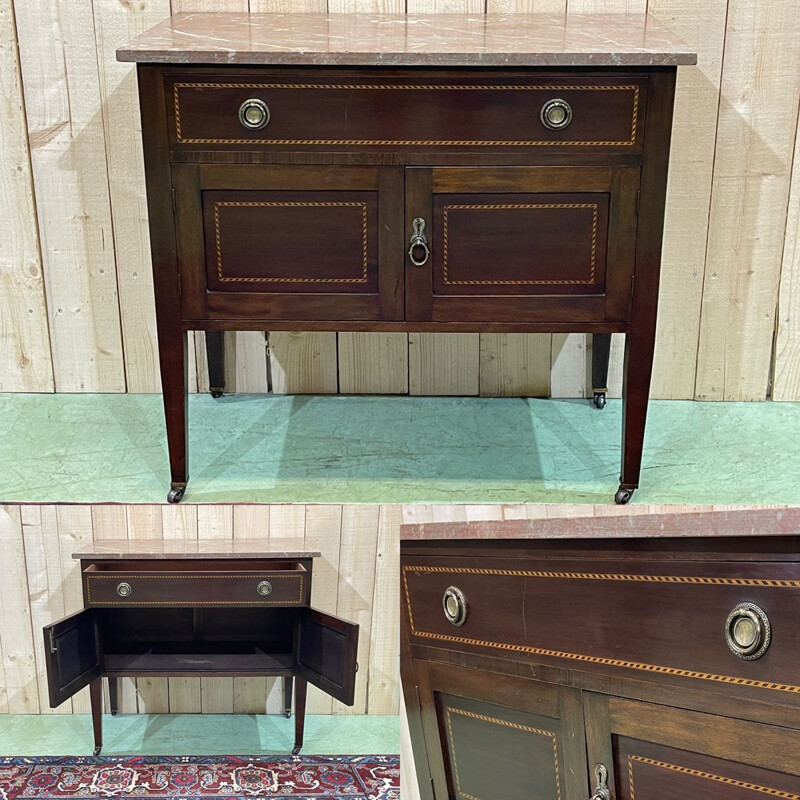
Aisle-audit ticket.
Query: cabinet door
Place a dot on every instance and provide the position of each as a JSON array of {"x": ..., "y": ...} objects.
[
  {"x": 327, "y": 648},
  {"x": 72, "y": 655},
  {"x": 289, "y": 242},
  {"x": 521, "y": 244},
  {"x": 658, "y": 753},
  {"x": 489, "y": 736}
]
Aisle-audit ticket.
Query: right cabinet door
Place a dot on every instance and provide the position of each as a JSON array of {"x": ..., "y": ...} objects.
[
  {"x": 490, "y": 736},
  {"x": 520, "y": 244},
  {"x": 658, "y": 753}
]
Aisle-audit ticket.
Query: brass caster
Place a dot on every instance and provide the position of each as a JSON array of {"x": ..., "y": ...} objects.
[
  {"x": 96, "y": 751},
  {"x": 599, "y": 400},
  {"x": 176, "y": 494},
  {"x": 215, "y": 393},
  {"x": 114, "y": 712},
  {"x": 288, "y": 713},
  {"x": 296, "y": 749},
  {"x": 623, "y": 496}
]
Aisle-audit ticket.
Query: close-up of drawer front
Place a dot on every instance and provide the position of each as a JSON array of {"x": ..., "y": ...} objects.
[
  {"x": 195, "y": 588},
  {"x": 274, "y": 109},
  {"x": 718, "y": 624}
]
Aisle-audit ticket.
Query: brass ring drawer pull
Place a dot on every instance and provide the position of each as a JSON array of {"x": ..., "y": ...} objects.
[
  {"x": 455, "y": 606},
  {"x": 264, "y": 588},
  {"x": 124, "y": 589},
  {"x": 748, "y": 631},
  {"x": 418, "y": 250},
  {"x": 254, "y": 114},
  {"x": 556, "y": 114}
]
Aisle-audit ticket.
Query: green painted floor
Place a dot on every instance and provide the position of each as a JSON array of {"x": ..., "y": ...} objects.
[
  {"x": 197, "y": 734},
  {"x": 345, "y": 449}
]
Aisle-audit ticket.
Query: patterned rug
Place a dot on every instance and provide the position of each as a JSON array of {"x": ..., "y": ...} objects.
[{"x": 210, "y": 778}]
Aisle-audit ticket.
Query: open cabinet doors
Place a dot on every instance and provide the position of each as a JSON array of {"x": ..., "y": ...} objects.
[
  {"x": 326, "y": 654},
  {"x": 72, "y": 655}
]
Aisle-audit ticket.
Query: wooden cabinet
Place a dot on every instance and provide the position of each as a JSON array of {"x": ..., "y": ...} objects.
[
  {"x": 406, "y": 186},
  {"x": 666, "y": 667},
  {"x": 199, "y": 614}
]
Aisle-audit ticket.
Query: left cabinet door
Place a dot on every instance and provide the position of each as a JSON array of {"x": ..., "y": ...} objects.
[
  {"x": 72, "y": 655},
  {"x": 289, "y": 242}
]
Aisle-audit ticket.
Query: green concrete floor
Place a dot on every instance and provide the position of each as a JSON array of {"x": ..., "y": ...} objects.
[
  {"x": 197, "y": 734},
  {"x": 361, "y": 449}
]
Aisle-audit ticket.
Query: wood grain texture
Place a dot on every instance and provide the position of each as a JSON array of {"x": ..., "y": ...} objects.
[
  {"x": 357, "y": 571},
  {"x": 373, "y": 363},
  {"x": 303, "y": 363}
]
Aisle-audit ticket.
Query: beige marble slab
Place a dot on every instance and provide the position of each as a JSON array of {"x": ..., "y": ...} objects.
[
  {"x": 436, "y": 40},
  {"x": 155, "y": 549},
  {"x": 759, "y": 522}
]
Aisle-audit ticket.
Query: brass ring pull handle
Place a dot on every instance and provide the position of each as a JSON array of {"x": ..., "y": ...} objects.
[
  {"x": 124, "y": 589},
  {"x": 601, "y": 791},
  {"x": 556, "y": 114},
  {"x": 455, "y": 606},
  {"x": 254, "y": 114},
  {"x": 264, "y": 588},
  {"x": 748, "y": 631},
  {"x": 418, "y": 250}
]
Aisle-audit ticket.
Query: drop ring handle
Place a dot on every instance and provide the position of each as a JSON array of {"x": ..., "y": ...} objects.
[{"x": 418, "y": 250}]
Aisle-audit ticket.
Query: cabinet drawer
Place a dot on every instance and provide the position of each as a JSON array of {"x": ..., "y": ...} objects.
[
  {"x": 106, "y": 586},
  {"x": 646, "y": 618},
  {"x": 401, "y": 110}
]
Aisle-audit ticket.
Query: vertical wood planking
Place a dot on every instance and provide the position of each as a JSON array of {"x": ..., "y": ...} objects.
[
  {"x": 755, "y": 137},
  {"x": 25, "y": 363},
  {"x": 515, "y": 364},
  {"x": 373, "y": 363},
  {"x": 303, "y": 363},
  {"x": 568, "y": 362},
  {"x": 68, "y": 155}
]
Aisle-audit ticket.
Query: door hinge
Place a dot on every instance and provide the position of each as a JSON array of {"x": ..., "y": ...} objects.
[
  {"x": 52, "y": 636},
  {"x": 174, "y": 203},
  {"x": 638, "y": 201}
]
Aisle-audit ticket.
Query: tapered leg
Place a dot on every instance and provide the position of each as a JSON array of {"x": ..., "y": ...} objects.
[
  {"x": 635, "y": 394},
  {"x": 215, "y": 355},
  {"x": 112, "y": 695},
  {"x": 173, "y": 347},
  {"x": 299, "y": 713},
  {"x": 96, "y": 699},
  {"x": 601, "y": 350},
  {"x": 287, "y": 696}
]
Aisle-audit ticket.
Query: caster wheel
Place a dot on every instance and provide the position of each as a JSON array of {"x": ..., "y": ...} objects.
[
  {"x": 216, "y": 393},
  {"x": 176, "y": 494},
  {"x": 296, "y": 750},
  {"x": 599, "y": 400},
  {"x": 288, "y": 713},
  {"x": 623, "y": 496},
  {"x": 96, "y": 751},
  {"x": 114, "y": 713}
]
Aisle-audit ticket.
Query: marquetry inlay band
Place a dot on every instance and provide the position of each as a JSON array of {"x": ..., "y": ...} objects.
[
  {"x": 410, "y": 142},
  {"x": 506, "y": 723},
  {"x": 601, "y": 660},
  {"x": 513, "y": 206},
  {"x": 755, "y": 787},
  {"x": 88, "y": 579},
  {"x": 291, "y": 204}
]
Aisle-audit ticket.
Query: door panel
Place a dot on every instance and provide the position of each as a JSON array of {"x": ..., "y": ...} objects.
[
  {"x": 490, "y": 736},
  {"x": 326, "y": 653},
  {"x": 523, "y": 243},
  {"x": 289, "y": 242},
  {"x": 653, "y": 753},
  {"x": 72, "y": 655}
]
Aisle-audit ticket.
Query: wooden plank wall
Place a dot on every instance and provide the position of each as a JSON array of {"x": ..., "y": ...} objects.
[
  {"x": 358, "y": 577},
  {"x": 76, "y": 311}
]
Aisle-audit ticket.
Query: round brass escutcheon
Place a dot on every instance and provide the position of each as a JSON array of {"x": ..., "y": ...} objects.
[
  {"x": 124, "y": 589},
  {"x": 254, "y": 114},
  {"x": 264, "y": 588},
  {"x": 455, "y": 606},
  {"x": 556, "y": 114},
  {"x": 748, "y": 631}
]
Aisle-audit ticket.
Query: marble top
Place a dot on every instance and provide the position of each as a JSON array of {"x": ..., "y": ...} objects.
[
  {"x": 748, "y": 522},
  {"x": 436, "y": 40},
  {"x": 146, "y": 549}
]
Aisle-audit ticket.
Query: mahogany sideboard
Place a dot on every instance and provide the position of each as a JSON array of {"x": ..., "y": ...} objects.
[
  {"x": 443, "y": 173},
  {"x": 178, "y": 609},
  {"x": 632, "y": 659}
]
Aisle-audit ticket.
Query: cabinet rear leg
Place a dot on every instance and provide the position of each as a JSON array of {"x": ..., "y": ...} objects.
[
  {"x": 215, "y": 356},
  {"x": 299, "y": 713},
  {"x": 288, "y": 681},
  {"x": 173, "y": 348},
  {"x": 96, "y": 700},
  {"x": 113, "y": 684},
  {"x": 601, "y": 352}
]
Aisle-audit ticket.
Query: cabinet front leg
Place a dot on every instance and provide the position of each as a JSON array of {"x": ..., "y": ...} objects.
[
  {"x": 215, "y": 356},
  {"x": 288, "y": 682},
  {"x": 635, "y": 394},
  {"x": 113, "y": 684},
  {"x": 96, "y": 700},
  {"x": 173, "y": 347},
  {"x": 299, "y": 713}
]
